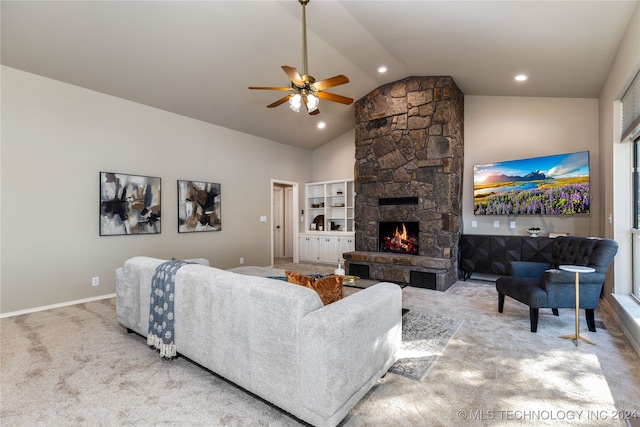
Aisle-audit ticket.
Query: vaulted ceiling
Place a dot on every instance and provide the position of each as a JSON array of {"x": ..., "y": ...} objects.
[{"x": 197, "y": 58}]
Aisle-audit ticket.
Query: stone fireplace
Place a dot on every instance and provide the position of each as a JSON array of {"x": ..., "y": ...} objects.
[{"x": 409, "y": 164}]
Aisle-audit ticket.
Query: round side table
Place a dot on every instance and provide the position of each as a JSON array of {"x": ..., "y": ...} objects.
[{"x": 577, "y": 269}]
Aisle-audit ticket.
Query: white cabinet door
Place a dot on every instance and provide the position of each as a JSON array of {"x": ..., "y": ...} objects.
[
  {"x": 347, "y": 244},
  {"x": 303, "y": 247},
  {"x": 309, "y": 247},
  {"x": 329, "y": 250}
]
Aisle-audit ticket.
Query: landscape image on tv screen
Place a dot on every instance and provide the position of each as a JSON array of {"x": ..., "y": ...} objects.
[{"x": 549, "y": 185}]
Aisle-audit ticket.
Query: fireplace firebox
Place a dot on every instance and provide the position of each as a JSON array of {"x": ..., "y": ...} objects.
[{"x": 399, "y": 237}]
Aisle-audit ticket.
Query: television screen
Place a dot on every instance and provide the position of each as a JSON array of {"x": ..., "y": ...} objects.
[{"x": 549, "y": 185}]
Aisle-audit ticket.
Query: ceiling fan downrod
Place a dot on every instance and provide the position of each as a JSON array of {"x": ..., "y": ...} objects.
[{"x": 304, "y": 39}]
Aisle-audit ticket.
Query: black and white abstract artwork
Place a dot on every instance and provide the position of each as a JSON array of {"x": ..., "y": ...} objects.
[
  {"x": 129, "y": 204},
  {"x": 198, "y": 206}
]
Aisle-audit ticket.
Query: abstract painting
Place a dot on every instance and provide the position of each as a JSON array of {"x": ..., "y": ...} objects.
[
  {"x": 129, "y": 204},
  {"x": 198, "y": 206}
]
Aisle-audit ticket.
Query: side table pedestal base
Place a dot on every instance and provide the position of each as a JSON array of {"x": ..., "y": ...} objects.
[{"x": 573, "y": 337}]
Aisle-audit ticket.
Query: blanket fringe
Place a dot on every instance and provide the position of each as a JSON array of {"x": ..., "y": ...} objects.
[{"x": 166, "y": 350}]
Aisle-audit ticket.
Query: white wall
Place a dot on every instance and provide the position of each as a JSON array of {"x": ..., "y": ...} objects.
[
  {"x": 509, "y": 128},
  {"x": 56, "y": 138}
]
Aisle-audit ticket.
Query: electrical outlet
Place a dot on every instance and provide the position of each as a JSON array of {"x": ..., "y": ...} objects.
[
  {"x": 474, "y": 224},
  {"x": 241, "y": 260},
  {"x": 496, "y": 224},
  {"x": 512, "y": 224},
  {"x": 95, "y": 281}
]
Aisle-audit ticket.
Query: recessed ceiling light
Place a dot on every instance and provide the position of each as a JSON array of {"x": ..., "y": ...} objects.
[
  {"x": 382, "y": 69},
  {"x": 521, "y": 77},
  {"x": 321, "y": 125}
]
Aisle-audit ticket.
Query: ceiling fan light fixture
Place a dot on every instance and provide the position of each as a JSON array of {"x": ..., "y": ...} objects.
[
  {"x": 312, "y": 102},
  {"x": 295, "y": 102}
]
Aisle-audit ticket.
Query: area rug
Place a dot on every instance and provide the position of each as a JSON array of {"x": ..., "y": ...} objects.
[{"x": 424, "y": 338}]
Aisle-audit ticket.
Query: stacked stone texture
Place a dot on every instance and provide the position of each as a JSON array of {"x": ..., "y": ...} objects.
[{"x": 409, "y": 142}]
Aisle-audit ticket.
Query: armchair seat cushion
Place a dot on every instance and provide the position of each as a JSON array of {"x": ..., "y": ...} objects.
[{"x": 524, "y": 289}]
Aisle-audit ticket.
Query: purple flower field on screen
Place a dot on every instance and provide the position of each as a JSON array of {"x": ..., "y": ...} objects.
[{"x": 558, "y": 200}]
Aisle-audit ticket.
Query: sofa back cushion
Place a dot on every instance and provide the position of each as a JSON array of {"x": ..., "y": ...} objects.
[{"x": 242, "y": 327}]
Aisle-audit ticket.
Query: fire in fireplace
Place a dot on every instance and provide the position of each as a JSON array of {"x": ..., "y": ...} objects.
[{"x": 399, "y": 237}]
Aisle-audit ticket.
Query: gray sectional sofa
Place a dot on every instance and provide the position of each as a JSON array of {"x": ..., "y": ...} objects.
[{"x": 273, "y": 338}]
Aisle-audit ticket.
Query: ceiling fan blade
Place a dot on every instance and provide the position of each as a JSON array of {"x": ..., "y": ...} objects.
[
  {"x": 333, "y": 97},
  {"x": 314, "y": 112},
  {"x": 331, "y": 82},
  {"x": 279, "y": 101},
  {"x": 269, "y": 88},
  {"x": 293, "y": 75}
]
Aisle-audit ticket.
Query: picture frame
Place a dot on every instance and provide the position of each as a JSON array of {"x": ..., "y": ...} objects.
[
  {"x": 129, "y": 204},
  {"x": 199, "y": 206}
]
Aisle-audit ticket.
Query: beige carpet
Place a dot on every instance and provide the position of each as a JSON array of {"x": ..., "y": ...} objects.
[{"x": 76, "y": 366}]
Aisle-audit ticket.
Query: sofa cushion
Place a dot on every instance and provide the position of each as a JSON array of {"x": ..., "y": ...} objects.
[{"x": 329, "y": 288}]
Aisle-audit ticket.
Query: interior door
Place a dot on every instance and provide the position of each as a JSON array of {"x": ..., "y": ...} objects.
[
  {"x": 278, "y": 222},
  {"x": 289, "y": 221}
]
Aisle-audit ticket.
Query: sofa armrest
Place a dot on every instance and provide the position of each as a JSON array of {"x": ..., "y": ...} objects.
[
  {"x": 348, "y": 344},
  {"x": 527, "y": 268}
]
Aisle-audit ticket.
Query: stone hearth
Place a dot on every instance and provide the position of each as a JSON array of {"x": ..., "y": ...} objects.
[{"x": 409, "y": 143}]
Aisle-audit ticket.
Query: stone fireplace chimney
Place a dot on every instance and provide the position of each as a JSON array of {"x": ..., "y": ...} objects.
[{"x": 409, "y": 145}]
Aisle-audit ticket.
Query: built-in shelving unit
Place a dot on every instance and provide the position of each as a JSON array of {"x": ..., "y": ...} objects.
[
  {"x": 329, "y": 222},
  {"x": 330, "y": 206}
]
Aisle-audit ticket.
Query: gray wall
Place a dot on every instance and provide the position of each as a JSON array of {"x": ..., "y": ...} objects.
[
  {"x": 336, "y": 159},
  {"x": 616, "y": 165},
  {"x": 56, "y": 138},
  {"x": 509, "y": 128}
]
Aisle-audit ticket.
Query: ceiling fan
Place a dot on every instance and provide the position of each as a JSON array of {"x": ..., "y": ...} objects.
[{"x": 304, "y": 88}]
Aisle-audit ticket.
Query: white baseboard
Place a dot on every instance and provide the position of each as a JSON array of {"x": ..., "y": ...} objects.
[{"x": 49, "y": 307}]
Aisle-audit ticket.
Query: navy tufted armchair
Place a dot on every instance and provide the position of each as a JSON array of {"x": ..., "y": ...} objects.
[{"x": 542, "y": 285}]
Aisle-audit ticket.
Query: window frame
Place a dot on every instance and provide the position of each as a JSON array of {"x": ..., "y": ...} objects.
[{"x": 635, "y": 226}]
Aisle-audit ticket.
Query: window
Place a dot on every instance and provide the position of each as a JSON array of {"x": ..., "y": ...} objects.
[
  {"x": 630, "y": 131},
  {"x": 635, "y": 232}
]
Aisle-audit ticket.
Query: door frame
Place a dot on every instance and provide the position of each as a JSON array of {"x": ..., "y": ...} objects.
[{"x": 294, "y": 209}]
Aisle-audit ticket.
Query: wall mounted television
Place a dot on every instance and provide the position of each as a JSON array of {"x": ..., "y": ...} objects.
[{"x": 549, "y": 185}]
